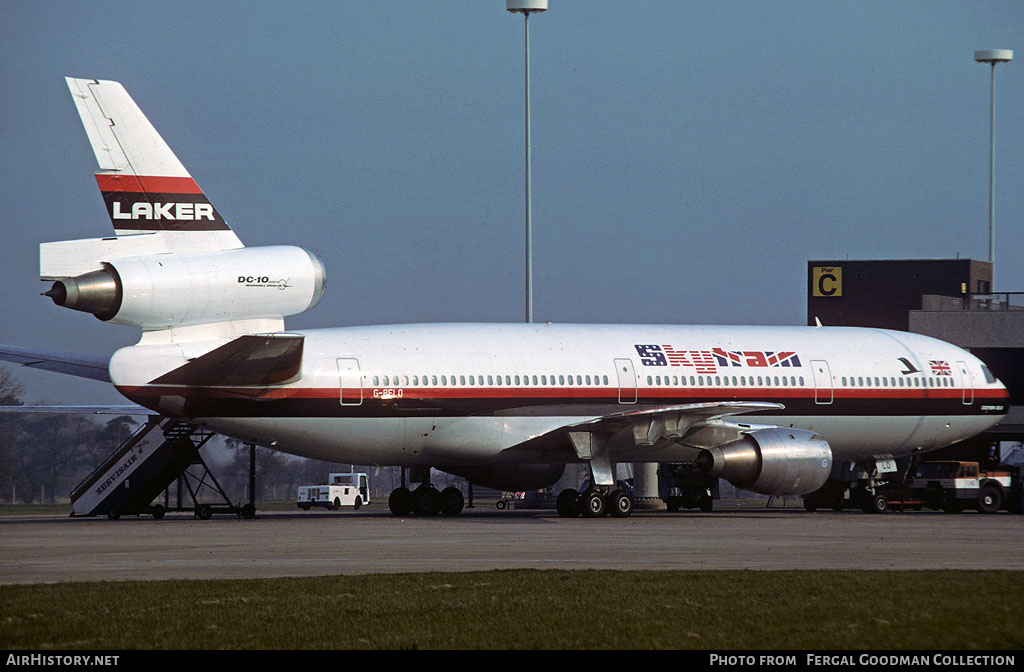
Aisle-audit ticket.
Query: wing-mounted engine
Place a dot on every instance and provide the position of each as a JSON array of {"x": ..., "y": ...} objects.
[
  {"x": 162, "y": 291},
  {"x": 772, "y": 461}
]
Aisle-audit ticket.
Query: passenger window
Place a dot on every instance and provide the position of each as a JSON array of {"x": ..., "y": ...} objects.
[
  {"x": 508, "y": 380},
  {"x": 375, "y": 381}
]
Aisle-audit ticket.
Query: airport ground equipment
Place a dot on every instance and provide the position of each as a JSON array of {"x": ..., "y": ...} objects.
[
  {"x": 159, "y": 453},
  {"x": 345, "y": 489},
  {"x": 685, "y": 486},
  {"x": 953, "y": 486}
]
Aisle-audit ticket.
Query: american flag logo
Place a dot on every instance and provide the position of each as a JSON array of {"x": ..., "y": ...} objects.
[
  {"x": 709, "y": 361},
  {"x": 940, "y": 368}
]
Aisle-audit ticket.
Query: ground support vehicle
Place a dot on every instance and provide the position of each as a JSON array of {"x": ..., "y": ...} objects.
[
  {"x": 352, "y": 489},
  {"x": 954, "y": 486},
  {"x": 685, "y": 486}
]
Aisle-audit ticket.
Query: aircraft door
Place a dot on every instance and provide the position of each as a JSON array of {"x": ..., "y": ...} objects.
[
  {"x": 626, "y": 375},
  {"x": 967, "y": 382},
  {"x": 350, "y": 381},
  {"x": 822, "y": 381}
]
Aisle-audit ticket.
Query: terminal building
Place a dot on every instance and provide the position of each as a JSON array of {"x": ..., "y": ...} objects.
[{"x": 949, "y": 299}]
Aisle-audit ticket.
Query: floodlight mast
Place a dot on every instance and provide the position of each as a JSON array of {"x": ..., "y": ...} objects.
[
  {"x": 992, "y": 57},
  {"x": 526, "y": 7}
]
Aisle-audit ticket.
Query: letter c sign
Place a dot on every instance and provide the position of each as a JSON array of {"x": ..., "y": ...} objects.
[{"x": 826, "y": 281}]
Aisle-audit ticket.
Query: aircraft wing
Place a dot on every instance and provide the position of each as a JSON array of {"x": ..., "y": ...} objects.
[
  {"x": 640, "y": 430},
  {"x": 83, "y": 366}
]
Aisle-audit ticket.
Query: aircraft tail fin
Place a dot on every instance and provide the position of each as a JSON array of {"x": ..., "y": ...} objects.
[{"x": 145, "y": 187}]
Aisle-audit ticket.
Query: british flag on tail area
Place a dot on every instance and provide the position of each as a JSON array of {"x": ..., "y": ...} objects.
[
  {"x": 710, "y": 361},
  {"x": 940, "y": 368}
]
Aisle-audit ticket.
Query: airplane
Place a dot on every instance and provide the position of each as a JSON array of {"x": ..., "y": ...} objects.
[{"x": 776, "y": 410}]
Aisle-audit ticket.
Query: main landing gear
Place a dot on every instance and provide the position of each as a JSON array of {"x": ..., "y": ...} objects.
[
  {"x": 601, "y": 499},
  {"x": 426, "y": 500},
  {"x": 594, "y": 503}
]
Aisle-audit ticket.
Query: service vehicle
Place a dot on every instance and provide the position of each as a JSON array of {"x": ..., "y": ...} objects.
[
  {"x": 351, "y": 489},
  {"x": 954, "y": 486}
]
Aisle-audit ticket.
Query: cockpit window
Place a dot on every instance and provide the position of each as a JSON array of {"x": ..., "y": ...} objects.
[{"x": 989, "y": 378}]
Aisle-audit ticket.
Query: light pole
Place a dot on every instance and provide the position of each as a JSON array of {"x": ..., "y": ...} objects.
[
  {"x": 992, "y": 56},
  {"x": 527, "y": 7}
]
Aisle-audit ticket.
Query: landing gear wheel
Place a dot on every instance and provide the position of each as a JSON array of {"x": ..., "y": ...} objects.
[
  {"x": 875, "y": 504},
  {"x": 400, "y": 502},
  {"x": 425, "y": 500},
  {"x": 673, "y": 504},
  {"x": 592, "y": 504},
  {"x": 990, "y": 499},
  {"x": 707, "y": 505},
  {"x": 620, "y": 504},
  {"x": 452, "y": 501},
  {"x": 568, "y": 503},
  {"x": 810, "y": 504}
]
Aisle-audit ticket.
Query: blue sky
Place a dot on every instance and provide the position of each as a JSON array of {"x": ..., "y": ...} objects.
[{"x": 689, "y": 157}]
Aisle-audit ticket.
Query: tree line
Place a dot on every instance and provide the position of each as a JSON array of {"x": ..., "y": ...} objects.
[{"x": 44, "y": 456}]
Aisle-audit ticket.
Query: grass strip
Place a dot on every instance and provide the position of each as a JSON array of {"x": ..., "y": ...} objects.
[{"x": 529, "y": 609}]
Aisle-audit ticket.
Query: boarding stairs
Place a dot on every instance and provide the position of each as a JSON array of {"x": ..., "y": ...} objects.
[{"x": 162, "y": 451}]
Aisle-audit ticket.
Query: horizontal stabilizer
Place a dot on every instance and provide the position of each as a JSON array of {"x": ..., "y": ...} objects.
[
  {"x": 83, "y": 366},
  {"x": 122, "y": 409},
  {"x": 259, "y": 359}
]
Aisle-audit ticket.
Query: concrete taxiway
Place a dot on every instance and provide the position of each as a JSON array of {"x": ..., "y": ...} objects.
[{"x": 36, "y": 549}]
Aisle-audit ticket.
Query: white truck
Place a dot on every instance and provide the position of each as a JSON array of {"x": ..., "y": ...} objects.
[{"x": 350, "y": 489}]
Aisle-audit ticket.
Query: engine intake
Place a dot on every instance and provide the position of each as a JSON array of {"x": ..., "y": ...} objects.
[
  {"x": 772, "y": 461},
  {"x": 175, "y": 290}
]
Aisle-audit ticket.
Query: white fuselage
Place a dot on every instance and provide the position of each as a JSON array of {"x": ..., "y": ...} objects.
[{"x": 442, "y": 394}]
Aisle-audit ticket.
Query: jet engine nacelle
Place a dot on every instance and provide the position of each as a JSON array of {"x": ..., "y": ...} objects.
[
  {"x": 181, "y": 289},
  {"x": 513, "y": 477},
  {"x": 774, "y": 461}
]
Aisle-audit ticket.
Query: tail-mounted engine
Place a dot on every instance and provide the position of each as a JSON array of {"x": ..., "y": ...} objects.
[
  {"x": 181, "y": 289},
  {"x": 773, "y": 461}
]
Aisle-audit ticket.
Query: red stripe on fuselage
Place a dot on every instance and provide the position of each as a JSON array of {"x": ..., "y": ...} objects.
[{"x": 612, "y": 393}]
